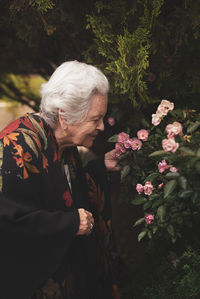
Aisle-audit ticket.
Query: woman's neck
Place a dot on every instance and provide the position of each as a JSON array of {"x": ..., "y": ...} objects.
[{"x": 62, "y": 140}]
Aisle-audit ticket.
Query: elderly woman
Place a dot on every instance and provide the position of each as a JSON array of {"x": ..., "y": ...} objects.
[{"x": 55, "y": 226}]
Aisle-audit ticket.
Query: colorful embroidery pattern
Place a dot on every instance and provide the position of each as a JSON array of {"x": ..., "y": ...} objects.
[
  {"x": 7, "y": 135},
  {"x": 23, "y": 159},
  {"x": 68, "y": 198},
  {"x": 33, "y": 134}
]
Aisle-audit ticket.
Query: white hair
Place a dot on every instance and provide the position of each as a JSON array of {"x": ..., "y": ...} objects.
[{"x": 70, "y": 90}]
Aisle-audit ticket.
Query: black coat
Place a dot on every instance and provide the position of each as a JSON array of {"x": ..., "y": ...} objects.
[{"x": 40, "y": 253}]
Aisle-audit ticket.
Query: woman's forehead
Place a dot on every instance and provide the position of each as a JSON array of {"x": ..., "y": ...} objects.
[{"x": 98, "y": 106}]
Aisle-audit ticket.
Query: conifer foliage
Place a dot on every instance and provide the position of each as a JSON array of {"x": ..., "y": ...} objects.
[{"x": 150, "y": 49}]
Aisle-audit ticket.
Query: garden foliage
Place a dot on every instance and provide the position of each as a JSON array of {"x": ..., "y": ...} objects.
[
  {"x": 171, "y": 275},
  {"x": 148, "y": 49},
  {"x": 161, "y": 171},
  {"x": 36, "y": 37}
]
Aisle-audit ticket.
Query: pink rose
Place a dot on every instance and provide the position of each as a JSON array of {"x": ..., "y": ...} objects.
[
  {"x": 139, "y": 188},
  {"x": 111, "y": 121},
  {"x": 173, "y": 169},
  {"x": 142, "y": 135},
  {"x": 170, "y": 145},
  {"x": 136, "y": 144},
  {"x": 162, "y": 166},
  {"x": 149, "y": 218},
  {"x": 174, "y": 129},
  {"x": 122, "y": 137},
  {"x": 128, "y": 143},
  {"x": 120, "y": 149},
  {"x": 164, "y": 107},
  {"x": 160, "y": 185},
  {"x": 156, "y": 119},
  {"x": 148, "y": 188}
]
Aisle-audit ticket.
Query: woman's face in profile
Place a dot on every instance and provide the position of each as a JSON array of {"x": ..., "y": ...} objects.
[{"x": 85, "y": 132}]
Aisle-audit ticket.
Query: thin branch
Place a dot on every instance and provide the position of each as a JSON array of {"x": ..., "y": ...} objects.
[{"x": 18, "y": 96}]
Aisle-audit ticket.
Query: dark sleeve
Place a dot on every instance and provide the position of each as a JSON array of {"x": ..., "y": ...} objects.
[
  {"x": 33, "y": 239},
  {"x": 99, "y": 193},
  {"x": 97, "y": 172}
]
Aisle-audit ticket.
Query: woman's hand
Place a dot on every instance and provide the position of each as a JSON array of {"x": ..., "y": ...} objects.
[
  {"x": 111, "y": 161},
  {"x": 86, "y": 222}
]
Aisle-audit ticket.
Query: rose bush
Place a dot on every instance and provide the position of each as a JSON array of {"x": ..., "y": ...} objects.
[{"x": 161, "y": 171}]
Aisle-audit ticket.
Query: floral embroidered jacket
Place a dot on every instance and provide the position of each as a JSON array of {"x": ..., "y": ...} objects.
[{"x": 40, "y": 254}]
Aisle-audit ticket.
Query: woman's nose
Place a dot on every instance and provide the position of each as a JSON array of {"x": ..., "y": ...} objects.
[{"x": 100, "y": 126}]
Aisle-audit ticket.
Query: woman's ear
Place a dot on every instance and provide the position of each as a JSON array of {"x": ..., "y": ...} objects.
[{"x": 62, "y": 121}]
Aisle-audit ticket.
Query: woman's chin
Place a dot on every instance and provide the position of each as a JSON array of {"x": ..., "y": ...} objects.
[{"x": 88, "y": 143}]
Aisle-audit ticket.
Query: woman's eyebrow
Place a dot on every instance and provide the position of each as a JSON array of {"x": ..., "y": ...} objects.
[{"x": 97, "y": 115}]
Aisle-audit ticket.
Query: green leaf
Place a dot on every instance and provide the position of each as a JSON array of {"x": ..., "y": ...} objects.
[
  {"x": 157, "y": 153},
  {"x": 151, "y": 177},
  {"x": 172, "y": 175},
  {"x": 125, "y": 171},
  {"x": 159, "y": 131},
  {"x": 173, "y": 240},
  {"x": 182, "y": 182},
  {"x": 138, "y": 222},
  {"x": 171, "y": 198},
  {"x": 124, "y": 155},
  {"x": 147, "y": 205},
  {"x": 154, "y": 196},
  {"x": 139, "y": 201},
  {"x": 198, "y": 152},
  {"x": 170, "y": 230},
  {"x": 176, "y": 112},
  {"x": 185, "y": 194},
  {"x": 141, "y": 235},
  {"x": 161, "y": 212},
  {"x": 157, "y": 203},
  {"x": 145, "y": 123},
  {"x": 179, "y": 220},
  {"x": 149, "y": 233},
  {"x": 195, "y": 197},
  {"x": 193, "y": 127},
  {"x": 186, "y": 213},
  {"x": 169, "y": 187},
  {"x": 113, "y": 138},
  {"x": 154, "y": 229},
  {"x": 187, "y": 151}
]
